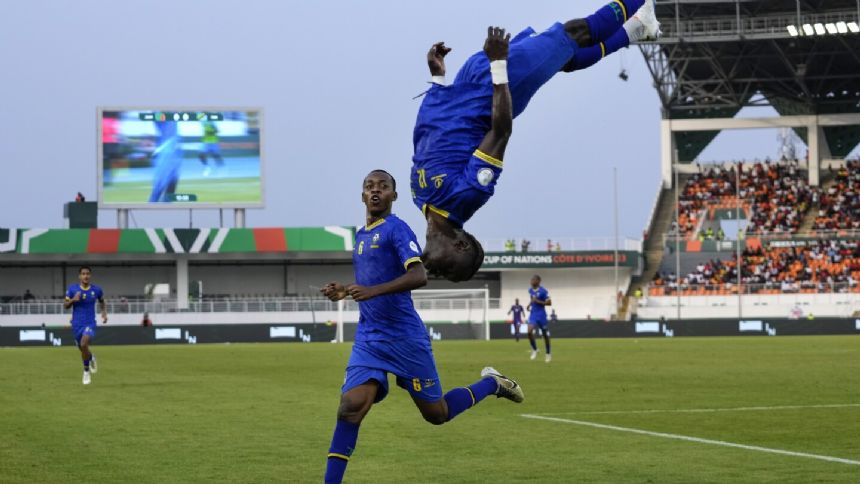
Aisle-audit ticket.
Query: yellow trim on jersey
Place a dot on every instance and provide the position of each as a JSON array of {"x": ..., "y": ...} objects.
[
  {"x": 472, "y": 395},
  {"x": 489, "y": 159},
  {"x": 411, "y": 260},
  {"x": 602, "y": 50},
  {"x": 623, "y": 9},
  {"x": 374, "y": 224},
  {"x": 68, "y": 298},
  {"x": 441, "y": 212},
  {"x": 339, "y": 456}
]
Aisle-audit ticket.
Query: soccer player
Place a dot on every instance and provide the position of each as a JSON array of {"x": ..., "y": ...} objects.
[
  {"x": 463, "y": 129},
  {"x": 537, "y": 315},
  {"x": 167, "y": 160},
  {"x": 82, "y": 298},
  {"x": 210, "y": 147},
  {"x": 517, "y": 310},
  {"x": 391, "y": 337}
]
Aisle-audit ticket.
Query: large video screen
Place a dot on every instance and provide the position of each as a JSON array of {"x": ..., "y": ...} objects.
[{"x": 180, "y": 157}]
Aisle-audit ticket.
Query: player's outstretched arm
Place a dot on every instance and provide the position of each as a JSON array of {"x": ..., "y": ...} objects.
[
  {"x": 502, "y": 122},
  {"x": 103, "y": 310},
  {"x": 414, "y": 278},
  {"x": 436, "y": 59}
]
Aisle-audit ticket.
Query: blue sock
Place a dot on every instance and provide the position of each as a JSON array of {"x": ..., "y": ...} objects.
[
  {"x": 87, "y": 364},
  {"x": 604, "y": 22},
  {"x": 342, "y": 445},
  {"x": 547, "y": 347},
  {"x": 461, "y": 399},
  {"x": 588, "y": 56}
]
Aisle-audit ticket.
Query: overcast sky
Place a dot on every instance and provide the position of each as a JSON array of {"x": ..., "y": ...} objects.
[{"x": 335, "y": 80}]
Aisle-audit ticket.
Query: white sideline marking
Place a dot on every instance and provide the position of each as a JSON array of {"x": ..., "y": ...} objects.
[
  {"x": 695, "y": 439},
  {"x": 709, "y": 410}
]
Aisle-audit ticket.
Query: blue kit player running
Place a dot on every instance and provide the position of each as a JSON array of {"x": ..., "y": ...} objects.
[
  {"x": 517, "y": 310},
  {"x": 167, "y": 160},
  {"x": 82, "y": 298},
  {"x": 391, "y": 337},
  {"x": 537, "y": 317},
  {"x": 462, "y": 129}
]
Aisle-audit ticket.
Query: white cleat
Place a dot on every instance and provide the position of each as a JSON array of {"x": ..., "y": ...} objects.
[
  {"x": 548, "y": 358},
  {"x": 507, "y": 388},
  {"x": 93, "y": 367},
  {"x": 207, "y": 171},
  {"x": 534, "y": 355},
  {"x": 87, "y": 378},
  {"x": 650, "y": 29}
]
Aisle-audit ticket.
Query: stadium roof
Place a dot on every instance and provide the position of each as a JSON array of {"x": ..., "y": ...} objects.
[{"x": 718, "y": 56}]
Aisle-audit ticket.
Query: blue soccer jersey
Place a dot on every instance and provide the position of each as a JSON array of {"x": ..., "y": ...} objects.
[
  {"x": 84, "y": 310},
  {"x": 517, "y": 312},
  {"x": 449, "y": 175},
  {"x": 383, "y": 251},
  {"x": 538, "y": 312}
]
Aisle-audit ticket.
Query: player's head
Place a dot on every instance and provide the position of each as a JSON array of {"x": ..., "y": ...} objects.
[
  {"x": 517, "y": 302},
  {"x": 455, "y": 255},
  {"x": 535, "y": 280},
  {"x": 378, "y": 193},
  {"x": 84, "y": 274}
]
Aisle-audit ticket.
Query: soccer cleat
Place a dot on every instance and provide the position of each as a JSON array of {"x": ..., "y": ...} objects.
[
  {"x": 507, "y": 388},
  {"x": 534, "y": 354},
  {"x": 93, "y": 367},
  {"x": 87, "y": 377},
  {"x": 548, "y": 358},
  {"x": 648, "y": 19}
]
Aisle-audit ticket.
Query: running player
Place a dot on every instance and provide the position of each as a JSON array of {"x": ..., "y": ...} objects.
[
  {"x": 82, "y": 298},
  {"x": 517, "y": 310},
  {"x": 463, "y": 129},
  {"x": 211, "y": 147},
  {"x": 167, "y": 160},
  {"x": 537, "y": 315},
  {"x": 391, "y": 337}
]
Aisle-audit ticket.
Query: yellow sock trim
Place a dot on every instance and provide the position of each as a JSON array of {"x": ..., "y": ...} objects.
[
  {"x": 623, "y": 9},
  {"x": 338, "y": 456},
  {"x": 602, "y": 50},
  {"x": 472, "y": 395}
]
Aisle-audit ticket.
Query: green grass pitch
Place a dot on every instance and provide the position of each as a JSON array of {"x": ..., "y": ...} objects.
[
  {"x": 237, "y": 190},
  {"x": 265, "y": 413}
]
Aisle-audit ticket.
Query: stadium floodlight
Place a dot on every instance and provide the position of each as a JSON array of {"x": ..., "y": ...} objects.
[
  {"x": 831, "y": 28},
  {"x": 842, "y": 27},
  {"x": 808, "y": 30},
  {"x": 792, "y": 31},
  {"x": 853, "y": 27},
  {"x": 819, "y": 29}
]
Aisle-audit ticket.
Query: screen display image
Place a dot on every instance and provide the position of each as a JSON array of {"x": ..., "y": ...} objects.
[{"x": 193, "y": 158}]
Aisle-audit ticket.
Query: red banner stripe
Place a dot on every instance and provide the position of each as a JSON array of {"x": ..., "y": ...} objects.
[
  {"x": 103, "y": 241},
  {"x": 270, "y": 240}
]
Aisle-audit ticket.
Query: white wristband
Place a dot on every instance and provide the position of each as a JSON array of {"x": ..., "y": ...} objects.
[
  {"x": 499, "y": 71},
  {"x": 438, "y": 80}
]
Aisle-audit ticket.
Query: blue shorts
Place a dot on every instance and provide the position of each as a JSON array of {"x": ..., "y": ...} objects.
[
  {"x": 539, "y": 322},
  {"x": 211, "y": 149},
  {"x": 533, "y": 59},
  {"x": 411, "y": 361},
  {"x": 84, "y": 330}
]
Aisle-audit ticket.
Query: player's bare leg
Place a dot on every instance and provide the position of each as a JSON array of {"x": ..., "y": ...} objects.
[
  {"x": 354, "y": 406},
  {"x": 532, "y": 341}
]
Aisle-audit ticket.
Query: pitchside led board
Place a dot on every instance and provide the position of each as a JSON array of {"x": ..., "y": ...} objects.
[{"x": 180, "y": 158}]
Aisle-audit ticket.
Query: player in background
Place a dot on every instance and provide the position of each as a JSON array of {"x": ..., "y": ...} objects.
[
  {"x": 167, "y": 160},
  {"x": 391, "y": 337},
  {"x": 517, "y": 310},
  {"x": 211, "y": 147},
  {"x": 462, "y": 129},
  {"x": 82, "y": 298},
  {"x": 537, "y": 315}
]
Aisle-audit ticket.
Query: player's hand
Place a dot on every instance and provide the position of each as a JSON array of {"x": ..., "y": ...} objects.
[
  {"x": 436, "y": 58},
  {"x": 77, "y": 297},
  {"x": 496, "y": 45},
  {"x": 104, "y": 318},
  {"x": 334, "y": 291},
  {"x": 360, "y": 293}
]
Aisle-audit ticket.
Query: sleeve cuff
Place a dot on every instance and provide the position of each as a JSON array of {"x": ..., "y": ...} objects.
[{"x": 410, "y": 261}]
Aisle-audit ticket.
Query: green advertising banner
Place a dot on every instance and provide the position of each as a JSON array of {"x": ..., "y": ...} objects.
[{"x": 531, "y": 260}]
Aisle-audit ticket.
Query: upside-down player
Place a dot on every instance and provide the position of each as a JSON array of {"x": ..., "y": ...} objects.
[
  {"x": 391, "y": 337},
  {"x": 463, "y": 129}
]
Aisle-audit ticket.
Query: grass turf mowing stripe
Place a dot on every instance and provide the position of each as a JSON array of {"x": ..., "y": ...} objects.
[
  {"x": 694, "y": 439},
  {"x": 707, "y": 410}
]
